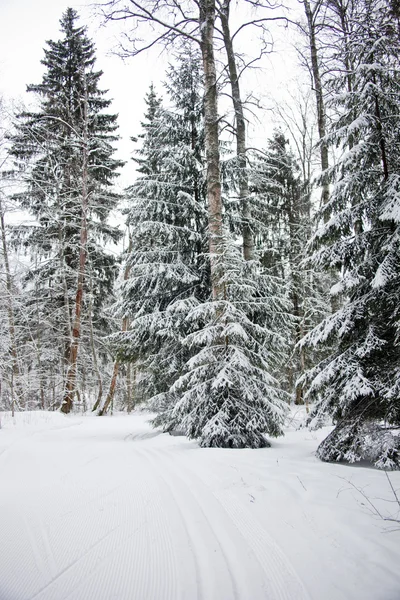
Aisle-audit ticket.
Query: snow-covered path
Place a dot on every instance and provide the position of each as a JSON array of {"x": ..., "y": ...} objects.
[{"x": 101, "y": 509}]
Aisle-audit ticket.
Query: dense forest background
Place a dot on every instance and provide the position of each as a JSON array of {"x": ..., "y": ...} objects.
[{"x": 241, "y": 278}]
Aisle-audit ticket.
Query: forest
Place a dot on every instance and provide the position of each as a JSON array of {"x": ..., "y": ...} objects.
[{"x": 240, "y": 281}]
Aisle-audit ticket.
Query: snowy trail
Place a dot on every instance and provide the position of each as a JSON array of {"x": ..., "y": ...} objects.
[
  {"x": 110, "y": 509},
  {"x": 244, "y": 567},
  {"x": 226, "y": 564}
]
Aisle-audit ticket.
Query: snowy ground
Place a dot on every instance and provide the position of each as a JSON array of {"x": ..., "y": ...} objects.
[{"x": 107, "y": 508}]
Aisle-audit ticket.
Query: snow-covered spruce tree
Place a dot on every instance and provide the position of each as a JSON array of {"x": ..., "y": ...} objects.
[
  {"x": 227, "y": 396},
  {"x": 359, "y": 383},
  {"x": 66, "y": 150},
  {"x": 174, "y": 322},
  {"x": 10, "y": 366},
  {"x": 200, "y": 21},
  {"x": 167, "y": 218},
  {"x": 282, "y": 218}
]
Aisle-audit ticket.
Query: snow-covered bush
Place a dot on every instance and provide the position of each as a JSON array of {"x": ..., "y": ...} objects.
[{"x": 357, "y": 441}]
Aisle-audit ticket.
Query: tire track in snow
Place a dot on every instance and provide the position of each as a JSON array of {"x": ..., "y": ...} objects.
[
  {"x": 65, "y": 570},
  {"x": 40, "y": 544},
  {"x": 113, "y": 541},
  {"x": 130, "y": 569},
  {"x": 119, "y": 564}
]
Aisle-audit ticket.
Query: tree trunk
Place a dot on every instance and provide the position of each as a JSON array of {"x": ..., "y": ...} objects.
[
  {"x": 130, "y": 384},
  {"x": 111, "y": 389},
  {"x": 297, "y": 287},
  {"x": 207, "y": 23},
  {"x": 248, "y": 238},
  {"x": 67, "y": 311},
  {"x": 39, "y": 351},
  {"x": 93, "y": 348},
  {"x": 125, "y": 325},
  {"x": 321, "y": 119},
  {"x": 70, "y": 389}
]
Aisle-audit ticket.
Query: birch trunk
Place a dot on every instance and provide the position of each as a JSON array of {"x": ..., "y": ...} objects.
[{"x": 207, "y": 24}]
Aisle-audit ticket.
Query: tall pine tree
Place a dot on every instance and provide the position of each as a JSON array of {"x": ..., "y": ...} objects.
[
  {"x": 282, "y": 210},
  {"x": 67, "y": 152},
  {"x": 167, "y": 217},
  {"x": 358, "y": 384}
]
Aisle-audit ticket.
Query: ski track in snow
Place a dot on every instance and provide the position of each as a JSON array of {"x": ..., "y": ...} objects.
[
  {"x": 208, "y": 553},
  {"x": 109, "y": 509},
  {"x": 260, "y": 556}
]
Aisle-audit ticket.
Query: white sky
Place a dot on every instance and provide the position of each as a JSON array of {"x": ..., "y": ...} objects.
[{"x": 25, "y": 25}]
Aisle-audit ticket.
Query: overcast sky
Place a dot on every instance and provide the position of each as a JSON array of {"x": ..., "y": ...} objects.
[{"x": 25, "y": 25}]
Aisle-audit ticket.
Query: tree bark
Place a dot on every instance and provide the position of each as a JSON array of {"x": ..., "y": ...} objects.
[
  {"x": 113, "y": 382},
  {"x": 130, "y": 384},
  {"x": 294, "y": 212},
  {"x": 92, "y": 344},
  {"x": 111, "y": 390},
  {"x": 207, "y": 24},
  {"x": 39, "y": 351}
]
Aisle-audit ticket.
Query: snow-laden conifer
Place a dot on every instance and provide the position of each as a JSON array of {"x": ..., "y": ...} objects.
[
  {"x": 282, "y": 219},
  {"x": 228, "y": 395},
  {"x": 207, "y": 363},
  {"x": 359, "y": 383},
  {"x": 65, "y": 149},
  {"x": 167, "y": 216}
]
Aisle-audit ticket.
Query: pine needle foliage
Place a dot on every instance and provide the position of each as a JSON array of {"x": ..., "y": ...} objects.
[
  {"x": 51, "y": 147},
  {"x": 227, "y": 396},
  {"x": 358, "y": 384},
  {"x": 169, "y": 272}
]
